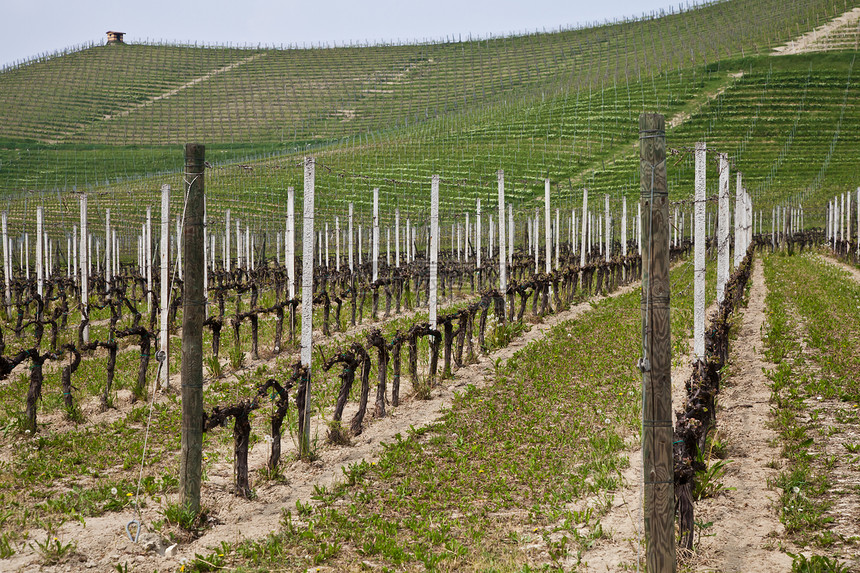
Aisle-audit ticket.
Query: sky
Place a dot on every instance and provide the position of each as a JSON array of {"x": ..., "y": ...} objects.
[{"x": 32, "y": 27}]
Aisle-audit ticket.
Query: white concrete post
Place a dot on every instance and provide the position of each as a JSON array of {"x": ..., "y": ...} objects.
[
  {"x": 639, "y": 227},
  {"x": 512, "y": 229},
  {"x": 307, "y": 293},
  {"x": 227, "y": 252},
  {"x": 556, "y": 232},
  {"x": 351, "y": 239},
  {"x": 739, "y": 211},
  {"x": 85, "y": 294},
  {"x": 584, "y": 227},
  {"x": 723, "y": 229},
  {"x": 547, "y": 228},
  {"x": 434, "y": 247},
  {"x": 624, "y": 226},
  {"x": 397, "y": 237},
  {"x": 699, "y": 270},
  {"x": 337, "y": 243},
  {"x": 478, "y": 231},
  {"x": 535, "y": 233},
  {"x": 7, "y": 262},
  {"x": 291, "y": 241},
  {"x": 503, "y": 268},
  {"x": 40, "y": 276},
  {"x": 608, "y": 228},
  {"x": 375, "y": 261},
  {"x": 163, "y": 338},
  {"x": 108, "y": 248}
]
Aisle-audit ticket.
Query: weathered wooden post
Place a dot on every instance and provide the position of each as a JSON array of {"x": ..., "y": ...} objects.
[
  {"x": 193, "y": 301},
  {"x": 656, "y": 361},
  {"x": 307, "y": 299}
]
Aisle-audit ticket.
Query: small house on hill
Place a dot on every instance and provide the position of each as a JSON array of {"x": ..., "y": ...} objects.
[{"x": 115, "y": 37}]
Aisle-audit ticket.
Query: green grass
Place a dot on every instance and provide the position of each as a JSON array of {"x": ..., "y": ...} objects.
[
  {"x": 810, "y": 329},
  {"x": 514, "y": 474}
]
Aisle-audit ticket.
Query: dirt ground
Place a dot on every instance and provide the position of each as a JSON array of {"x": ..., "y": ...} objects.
[
  {"x": 103, "y": 542},
  {"x": 745, "y": 528}
]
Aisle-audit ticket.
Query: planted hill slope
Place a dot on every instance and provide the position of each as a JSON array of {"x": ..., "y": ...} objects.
[
  {"x": 785, "y": 122},
  {"x": 138, "y": 94}
]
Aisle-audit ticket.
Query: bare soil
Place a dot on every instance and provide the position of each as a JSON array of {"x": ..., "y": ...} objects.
[
  {"x": 745, "y": 531},
  {"x": 835, "y": 34}
]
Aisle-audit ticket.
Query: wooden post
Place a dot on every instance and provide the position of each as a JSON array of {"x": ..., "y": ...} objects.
[
  {"x": 656, "y": 361},
  {"x": 307, "y": 299},
  {"x": 723, "y": 218},
  {"x": 699, "y": 271},
  {"x": 503, "y": 270},
  {"x": 193, "y": 301},
  {"x": 164, "y": 311}
]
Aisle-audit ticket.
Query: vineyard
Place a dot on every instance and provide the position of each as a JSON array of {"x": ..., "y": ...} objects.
[{"x": 420, "y": 274}]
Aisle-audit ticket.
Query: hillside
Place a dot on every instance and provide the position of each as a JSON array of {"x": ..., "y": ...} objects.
[{"x": 562, "y": 105}]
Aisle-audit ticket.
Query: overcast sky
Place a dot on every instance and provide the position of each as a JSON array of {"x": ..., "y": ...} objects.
[{"x": 31, "y": 27}]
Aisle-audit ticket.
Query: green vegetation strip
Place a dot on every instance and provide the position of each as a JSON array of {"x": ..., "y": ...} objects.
[
  {"x": 811, "y": 336},
  {"x": 515, "y": 475}
]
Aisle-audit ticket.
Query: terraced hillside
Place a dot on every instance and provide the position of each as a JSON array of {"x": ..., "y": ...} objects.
[{"x": 560, "y": 105}]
